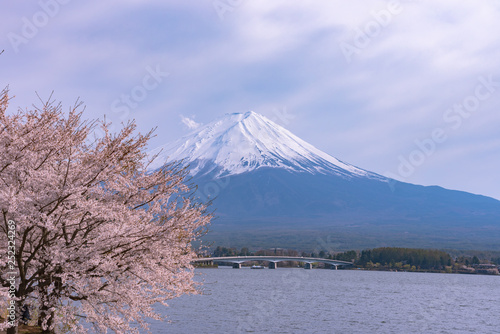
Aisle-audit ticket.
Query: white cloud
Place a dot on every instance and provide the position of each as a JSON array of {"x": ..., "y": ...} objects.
[
  {"x": 190, "y": 123},
  {"x": 279, "y": 53}
]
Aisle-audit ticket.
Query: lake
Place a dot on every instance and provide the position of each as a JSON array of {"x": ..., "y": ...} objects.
[{"x": 295, "y": 300}]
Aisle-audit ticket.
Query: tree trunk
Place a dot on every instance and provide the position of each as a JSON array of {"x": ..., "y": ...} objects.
[
  {"x": 45, "y": 313},
  {"x": 12, "y": 330}
]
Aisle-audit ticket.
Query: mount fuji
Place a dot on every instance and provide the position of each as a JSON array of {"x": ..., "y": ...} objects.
[
  {"x": 272, "y": 189},
  {"x": 242, "y": 143}
]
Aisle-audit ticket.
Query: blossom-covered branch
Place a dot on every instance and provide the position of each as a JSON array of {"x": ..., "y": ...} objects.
[{"x": 93, "y": 225}]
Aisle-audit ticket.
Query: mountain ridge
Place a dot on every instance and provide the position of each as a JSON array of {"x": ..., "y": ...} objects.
[
  {"x": 270, "y": 187},
  {"x": 238, "y": 143}
]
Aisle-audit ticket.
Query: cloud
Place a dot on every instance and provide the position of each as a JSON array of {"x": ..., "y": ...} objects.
[
  {"x": 190, "y": 123},
  {"x": 264, "y": 54}
]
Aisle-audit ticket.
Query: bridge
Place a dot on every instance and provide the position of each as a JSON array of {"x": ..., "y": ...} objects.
[{"x": 236, "y": 261}]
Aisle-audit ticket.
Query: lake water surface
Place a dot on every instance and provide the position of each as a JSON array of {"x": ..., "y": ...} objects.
[{"x": 289, "y": 300}]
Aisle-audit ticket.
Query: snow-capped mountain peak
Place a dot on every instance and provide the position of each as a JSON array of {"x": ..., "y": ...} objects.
[{"x": 241, "y": 142}]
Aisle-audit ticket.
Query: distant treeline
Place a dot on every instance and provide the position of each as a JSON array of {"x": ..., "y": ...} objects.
[
  {"x": 398, "y": 257},
  {"x": 384, "y": 258}
]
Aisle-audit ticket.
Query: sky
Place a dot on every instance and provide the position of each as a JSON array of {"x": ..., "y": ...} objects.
[{"x": 407, "y": 89}]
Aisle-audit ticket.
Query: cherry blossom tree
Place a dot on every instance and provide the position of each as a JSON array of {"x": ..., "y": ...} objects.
[{"x": 98, "y": 238}]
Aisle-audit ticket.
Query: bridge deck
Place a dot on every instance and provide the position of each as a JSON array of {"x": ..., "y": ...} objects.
[{"x": 275, "y": 259}]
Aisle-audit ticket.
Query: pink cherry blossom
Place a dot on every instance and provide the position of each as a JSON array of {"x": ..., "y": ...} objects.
[{"x": 99, "y": 239}]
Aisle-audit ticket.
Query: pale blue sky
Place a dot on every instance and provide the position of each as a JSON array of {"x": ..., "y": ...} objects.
[{"x": 368, "y": 82}]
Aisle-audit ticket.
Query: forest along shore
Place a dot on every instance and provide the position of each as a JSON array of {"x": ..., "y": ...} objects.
[{"x": 383, "y": 259}]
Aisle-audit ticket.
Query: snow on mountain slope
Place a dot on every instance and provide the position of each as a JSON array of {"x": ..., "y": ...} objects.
[{"x": 239, "y": 143}]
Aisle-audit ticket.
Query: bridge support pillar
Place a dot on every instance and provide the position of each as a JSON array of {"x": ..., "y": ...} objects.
[
  {"x": 308, "y": 265},
  {"x": 236, "y": 265},
  {"x": 334, "y": 266},
  {"x": 273, "y": 265}
]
